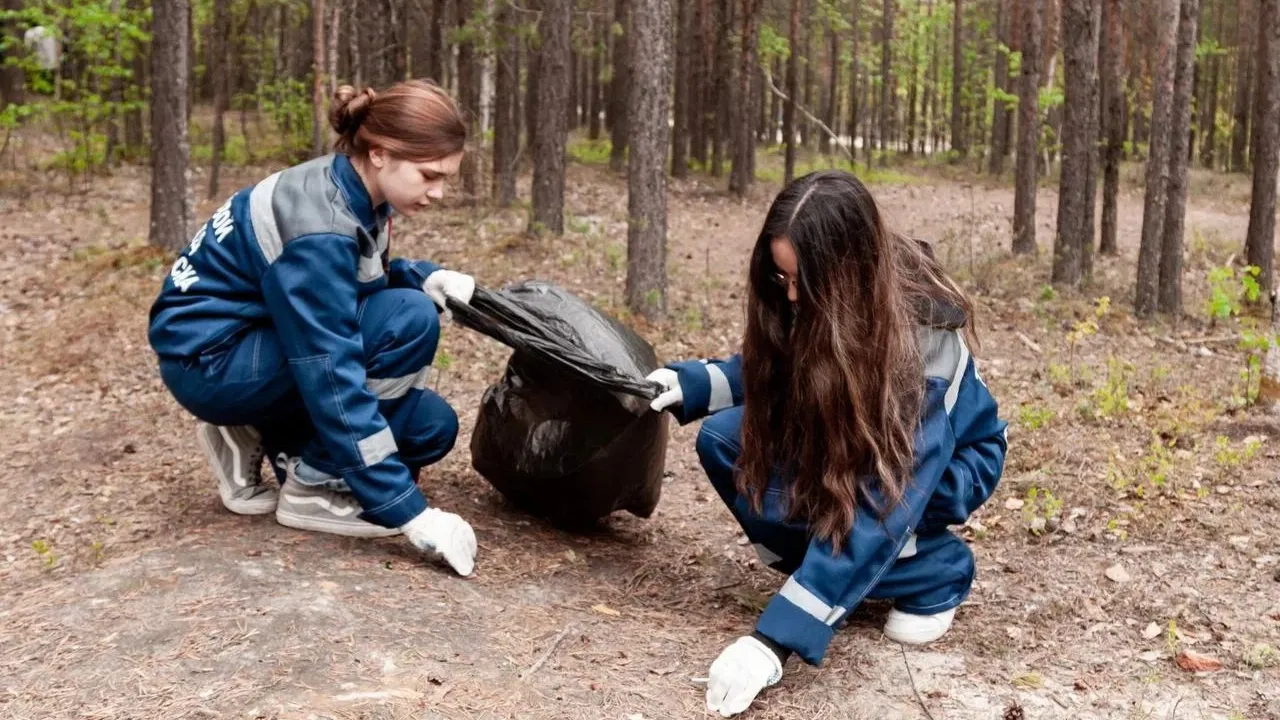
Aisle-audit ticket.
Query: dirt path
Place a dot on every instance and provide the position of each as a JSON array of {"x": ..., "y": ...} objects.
[{"x": 128, "y": 592}]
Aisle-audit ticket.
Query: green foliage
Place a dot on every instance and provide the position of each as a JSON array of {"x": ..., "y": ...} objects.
[
  {"x": 287, "y": 103},
  {"x": 1113, "y": 397},
  {"x": 1033, "y": 417},
  {"x": 1230, "y": 458},
  {"x": 1229, "y": 289},
  {"x": 44, "y": 551},
  {"x": 590, "y": 152},
  {"x": 90, "y": 35},
  {"x": 1039, "y": 507}
]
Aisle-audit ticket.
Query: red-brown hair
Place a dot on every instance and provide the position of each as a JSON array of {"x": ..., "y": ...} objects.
[{"x": 413, "y": 120}]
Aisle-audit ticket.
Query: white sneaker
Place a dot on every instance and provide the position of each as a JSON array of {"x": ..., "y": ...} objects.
[
  {"x": 235, "y": 454},
  {"x": 319, "y": 509},
  {"x": 911, "y": 629}
]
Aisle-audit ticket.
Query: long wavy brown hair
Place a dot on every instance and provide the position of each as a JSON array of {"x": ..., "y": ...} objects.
[{"x": 834, "y": 383}]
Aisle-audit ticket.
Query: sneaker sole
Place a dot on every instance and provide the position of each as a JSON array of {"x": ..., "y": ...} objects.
[
  {"x": 262, "y": 504},
  {"x": 333, "y": 527}
]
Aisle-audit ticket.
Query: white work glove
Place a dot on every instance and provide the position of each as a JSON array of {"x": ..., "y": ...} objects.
[
  {"x": 744, "y": 669},
  {"x": 443, "y": 536},
  {"x": 671, "y": 393},
  {"x": 443, "y": 284}
]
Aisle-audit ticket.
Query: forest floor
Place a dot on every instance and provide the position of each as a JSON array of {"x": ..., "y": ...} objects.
[{"x": 1134, "y": 532}]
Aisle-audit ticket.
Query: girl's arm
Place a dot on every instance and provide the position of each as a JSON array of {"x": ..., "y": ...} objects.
[
  {"x": 409, "y": 273},
  {"x": 311, "y": 292},
  {"x": 707, "y": 386}
]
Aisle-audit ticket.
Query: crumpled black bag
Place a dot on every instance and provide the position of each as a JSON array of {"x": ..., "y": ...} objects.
[{"x": 567, "y": 432}]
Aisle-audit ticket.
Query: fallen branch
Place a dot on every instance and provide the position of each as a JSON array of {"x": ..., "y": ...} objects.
[
  {"x": 768, "y": 78},
  {"x": 1031, "y": 345},
  {"x": 546, "y": 655},
  {"x": 913, "y": 683}
]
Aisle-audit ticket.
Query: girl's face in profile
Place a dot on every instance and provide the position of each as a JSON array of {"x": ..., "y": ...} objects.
[
  {"x": 784, "y": 258},
  {"x": 411, "y": 186}
]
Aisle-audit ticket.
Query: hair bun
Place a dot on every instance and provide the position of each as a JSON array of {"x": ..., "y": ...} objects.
[{"x": 349, "y": 109}]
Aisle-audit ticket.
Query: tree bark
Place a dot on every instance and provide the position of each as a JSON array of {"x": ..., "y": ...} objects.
[
  {"x": 1113, "y": 99},
  {"x": 1170, "y": 295},
  {"x": 793, "y": 92},
  {"x": 1075, "y": 204},
  {"x": 218, "y": 52},
  {"x": 1260, "y": 237},
  {"x": 855, "y": 67},
  {"x": 134, "y": 135},
  {"x": 331, "y": 50},
  {"x": 533, "y": 91},
  {"x": 833, "y": 93},
  {"x": 913, "y": 89},
  {"x": 469, "y": 100},
  {"x": 680, "y": 110},
  {"x": 744, "y": 146},
  {"x": 886, "y": 75},
  {"x": 1242, "y": 110},
  {"x": 1024, "y": 205},
  {"x": 595, "y": 96},
  {"x": 618, "y": 89},
  {"x": 319, "y": 117},
  {"x": 931, "y": 96},
  {"x": 1000, "y": 120},
  {"x": 12, "y": 79},
  {"x": 435, "y": 45},
  {"x": 959, "y": 141},
  {"x": 506, "y": 119},
  {"x": 646, "y": 176},
  {"x": 1146, "y": 294},
  {"x": 700, "y": 104},
  {"x": 170, "y": 199},
  {"x": 1209, "y": 118},
  {"x": 723, "y": 87},
  {"x": 552, "y": 119}
]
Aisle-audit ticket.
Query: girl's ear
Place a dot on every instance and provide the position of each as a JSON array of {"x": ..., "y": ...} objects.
[{"x": 378, "y": 157}]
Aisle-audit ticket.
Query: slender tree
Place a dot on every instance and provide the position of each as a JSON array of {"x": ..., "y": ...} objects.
[
  {"x": 506, "y": 117},
  {"x": 1157, "y": 174},
  {"x": 170, "y": 199},
  {"x": 1000, "y": 119},
  {"x": 744, "y": 147},
  {"x": 646, "y": 177},
  {"x": 219, "y": 54},
  {"x": 552, "y": 119},
  {"x": 959, "y": 139},
  {"x": 1024, "y": 204},
  {"x": 1170, "y": 295},
  {"x": 618, "y": 89},
  {"x": 1075, "y": 201},
  {"x": 1242, "y": 107},
  {"x": 1260, "y": 237},
  {"x": 793, "y": 92},
  {"x": 680, "y": 113},
  {"x": 1112, "y": 53}
]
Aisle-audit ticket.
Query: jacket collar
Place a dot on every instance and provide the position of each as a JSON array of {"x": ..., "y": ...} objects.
[{"x": 357, "y": 197}]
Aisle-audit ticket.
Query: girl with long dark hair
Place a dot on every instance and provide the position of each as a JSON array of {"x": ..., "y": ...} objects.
[{"x": 849, "y": 434}]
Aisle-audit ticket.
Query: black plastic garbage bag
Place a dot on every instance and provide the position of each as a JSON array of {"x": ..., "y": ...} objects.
[{"x": 567, "y": 432}]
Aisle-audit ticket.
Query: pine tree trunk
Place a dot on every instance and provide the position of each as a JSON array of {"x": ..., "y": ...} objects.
[
  {"x": 133, "y": 130},
  {"x": 506, "y": 119},
  {"x": 1260, "y": 238},
  {"x": 618, "y": 89},
  {"x": 357, "y": 72},
  {"x": 12, "y": 79},
  {"x": 574, "y": 73},
  {"x": 331, "y": 50},
  {"x": 435, "y": 46},
  {"x": 700, "y": 103},
  {"x": 680, "y": 110},
  {"x": 1242, "y": 110},
  {"x": 533, "y": 92},
  {"x": 218, "y": 54},
  {"x": 595, "y": 95},
  {"x": 912, "y": 90},
  {"x": 1024, "y": 206},
  {"x": 855, "y": 67},
  {"x": 170, "y": 200},
  {"x": 469, "y": 100},
  {"x": 805, "y": 98},
  {"x": 1000, "y": 120},
  {"x": 1170, "y": 300},
  {"x": 1075, "y": 210},
  {"x": 959, "y": 141},
  {"x": 1209, "y": 119},
  {"x": 1146, "y": 294},
  {"x": 775, "y": 104},
  {"x": 646, "y": 174},
  {"x": 723, "y": 87},
  {"x": 744, "y": 146},
  {"x": 319, "y": 116},
  {"x": 929, "y": 112},
  {"x": 833, "y": 93},
  {"x": 886, "y": 75},
  {"x": 552, "y": 118},
  {"x": 1113, "y": 99},
  {"x": 793, "y": 92}
]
